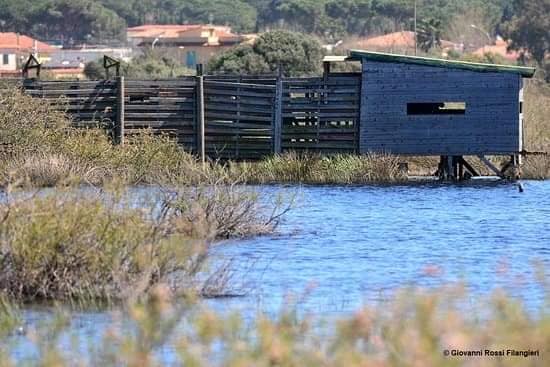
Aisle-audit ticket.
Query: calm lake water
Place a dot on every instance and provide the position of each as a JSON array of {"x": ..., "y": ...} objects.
[
  {"x": 341, "y": 247},
  {"x": 351, "y": 245}
]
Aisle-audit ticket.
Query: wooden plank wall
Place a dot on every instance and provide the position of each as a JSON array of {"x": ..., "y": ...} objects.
[
  {"x": 90, "y": 103},
  {"x": 489, "y": 125},
  {"x": 321, "y": 114},
  {"x": 239, "y": 117},
  {"x": 165, "y": 106}
]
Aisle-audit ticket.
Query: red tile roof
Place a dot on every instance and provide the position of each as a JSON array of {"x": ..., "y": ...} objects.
[
  {"x": 396, "y": 39},
  {"x": 499, "y": 48},
  {"x": 175, "y": 30},
  {"x": 13, "y": 41}
]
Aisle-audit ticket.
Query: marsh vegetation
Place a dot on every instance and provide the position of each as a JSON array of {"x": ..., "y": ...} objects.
[{"x": 85, "y": 241}]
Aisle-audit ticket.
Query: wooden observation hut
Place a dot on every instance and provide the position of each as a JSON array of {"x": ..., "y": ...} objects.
[{"x": 422, "y": 106}]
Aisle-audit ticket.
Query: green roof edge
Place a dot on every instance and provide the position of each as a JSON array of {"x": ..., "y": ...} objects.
[{"x": 524, "y": 71}]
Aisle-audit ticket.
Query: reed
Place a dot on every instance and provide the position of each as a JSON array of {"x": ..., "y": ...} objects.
[
  {"x": 230, "y": 210},
  {"x": 536, "y": 167},
  {"x": 414, "y": 328},
  {"x": 67, "y": 245},
  {"x": 314, "y": 169}
]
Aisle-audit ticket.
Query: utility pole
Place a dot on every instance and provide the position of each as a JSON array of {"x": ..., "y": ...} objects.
[{"x": 415, "y": 38}]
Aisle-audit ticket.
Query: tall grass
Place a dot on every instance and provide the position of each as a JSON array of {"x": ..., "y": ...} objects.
[
  {"x": 537, "y": 116},
  {"x": 537, "y": 129},
  {"x": 71, "y": 246},
  {"x": 293, "y": 167},
  {"x": 230, "y": 210},
  {"x": 39, "y": 148},
  {"x": 415, "y": 328}
]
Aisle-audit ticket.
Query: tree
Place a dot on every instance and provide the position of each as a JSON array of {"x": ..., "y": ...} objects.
[
  {"x": 76, "y": 20},
  {"x": 297, "y": 54},
  {"x": 236, "y": 13},
  {"x": 429, "y": 34},
  {"x": 353, "y": 15},
  {"x": 94, "y": 70},
  {"x": 529, "y": 28}
]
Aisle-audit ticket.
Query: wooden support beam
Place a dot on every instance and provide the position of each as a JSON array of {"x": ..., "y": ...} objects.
[
  {"x": 108, "y": 63},
  {"x": 450, "y": 168},
  {"x": 490, "y": 165},
  {"x": 326, "y": 70},
  {"x": 278, "y": 114},
  {"x": 200, "y": 115},
  {"x": 119, "y": 126},
  {"x": 470, "y": 169}
]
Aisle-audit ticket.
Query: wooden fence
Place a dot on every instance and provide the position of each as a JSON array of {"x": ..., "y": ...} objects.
[{"x": 235, "y": 117}]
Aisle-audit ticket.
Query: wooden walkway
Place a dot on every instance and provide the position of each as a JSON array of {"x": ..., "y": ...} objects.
[{"x": 243, "y": 117}]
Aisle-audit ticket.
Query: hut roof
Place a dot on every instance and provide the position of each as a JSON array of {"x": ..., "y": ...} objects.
[{"x": 451, "y": 64}]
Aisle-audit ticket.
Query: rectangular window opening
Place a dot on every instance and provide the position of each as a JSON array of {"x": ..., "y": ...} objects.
[
  {"x": 436, "y": 108},
  {"x": 5, "y": 59}
]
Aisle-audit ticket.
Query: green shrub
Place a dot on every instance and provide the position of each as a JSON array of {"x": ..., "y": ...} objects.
[{"x": 68, "y": 245}]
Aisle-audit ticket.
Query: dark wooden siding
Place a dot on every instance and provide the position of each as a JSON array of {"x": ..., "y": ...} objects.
[
  {"x": 90, "y": 103},
  {"x": 321, "y": 114},
  {"x": 490, "y": 124},
  {"x": 165, "y": 106},
  {"x": 316, "y": 115},
  {"x": 238, "y": 119}
]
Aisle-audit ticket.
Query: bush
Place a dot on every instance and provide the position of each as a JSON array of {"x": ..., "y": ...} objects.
[
  {"x": 74, "y": 246},
  {"x": 230, "y": 210}
]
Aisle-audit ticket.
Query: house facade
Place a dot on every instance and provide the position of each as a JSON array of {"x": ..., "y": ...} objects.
[
  {"x": 191, "y": 44},
  {"x": 15, "y": 48}
]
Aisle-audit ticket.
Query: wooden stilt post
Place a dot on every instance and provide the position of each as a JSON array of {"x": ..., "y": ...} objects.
[
  {"x": 119, "y": 126},
  {"x": 200, "y": 125},
  {"x": 516, "y": 163},
  {"x": 441, "y": 168},
  {"x": 460, "y": 168},
  {"x": 278, "y": 114},
  {"x": 450, "y": 167}
]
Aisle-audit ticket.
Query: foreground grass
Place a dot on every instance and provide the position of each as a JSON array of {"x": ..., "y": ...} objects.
[
  {"x": 80, "y": 245},
  {"x": 67, "y": 246},
  {"x": 414, "y": 329}
]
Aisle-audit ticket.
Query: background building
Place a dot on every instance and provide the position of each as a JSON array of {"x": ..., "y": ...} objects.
[
  {"x": 191, "y": 44},
  {"x": 15, "y": 48}
]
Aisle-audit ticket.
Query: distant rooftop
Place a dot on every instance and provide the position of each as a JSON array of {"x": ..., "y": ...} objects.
[
  {"x": 22, "y": 43},
  {"x": 175, "y": 30},
  {"x": 499, "y": 48},
  {"x": 404, "y": 39}
]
